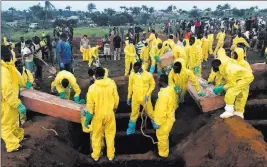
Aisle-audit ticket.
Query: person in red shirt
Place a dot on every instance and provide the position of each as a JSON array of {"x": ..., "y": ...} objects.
[{"x": 187, "y": 35}]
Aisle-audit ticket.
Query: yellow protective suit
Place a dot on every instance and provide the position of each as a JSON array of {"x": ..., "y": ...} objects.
[
  {"x": 102, "y": 99},
  {"x": 165, "y": 46},
  {"x": 156, "y": 42},
  {"x": 181, "y": 79},
  {"x": 237, "y": 84},
  {"x": 130, "y": 58},
  {"x": 150, "y": 40},
  {"x": 26, "y": 76},
  {"x": 205, "y": 48},
  {"x": 140, "y": 85},
  {"x": 194, "y": 59},
  {"x": 93, "y": 54},
  {"x": 72, "y": 84},
  {"x": 241, "y": 59},
  {"x": 186, "y": 48},
  {"x": 220, "y": 37},
  {"x": 85, "y": 53},
  {"x": 210, "y": 43},
  {"x": 171, "y": 42},
  {"x": 164, "y": 116},
  {"x": 237, "y": 40},
  {"x": 216, "y": 76},
  {"x": 11, "y": 133},
  {"x": 156, "y": 52},
  {"x": 178, "y": 52},
  {"x": 198, "y": 42},
  {"x": 144, "y": 55}
]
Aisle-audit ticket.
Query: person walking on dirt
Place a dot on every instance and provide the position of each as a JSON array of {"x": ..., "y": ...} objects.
[
  {"x": 106, "y": 43},
  {"x": 140, "y": 87},
  {"x": 164, "y": 114},
  {"x": 117, "y": 47},
  {"x": 85, "y": 48},
  {"x": 11, "y": 105},
  {"x": 38, "y": 63},
  {"x": 130, "y": 57},
  {"x": 237, "y": 84},
  {"x": 220, "y": 37},
  {"x": 102, "y": 103},
  {"x": 64, "y": 52},
  {"x": 64, "y": 83}
]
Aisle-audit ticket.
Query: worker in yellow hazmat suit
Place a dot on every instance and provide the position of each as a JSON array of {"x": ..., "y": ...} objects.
[
  {"x": 164, "y": 114},
  {"x": 237, "y": 84},
  {"x": 26, "y": 76},
  {"x": 155, "y": 53},
  {"x": 144, "y": 55},
  {"x": 11, "y": 105},
  {"x": 205, "y": 48},
  {"x": 93, "y": 55},
  {"x": 216, "y": 77},
  {"x": 220, "y": 37},
  {"x": 170, "y": 41},
  {"x": 151, "y": 39},
  {"x": 25, "y": 81},
  {"x": 210, "y": 42},
  {"x": 240, "y": 39},
  {"x": 141, "y": 85},
  {"x": 126, "y": 41},
  {"x": 239, "y": 56},
  {"x": 130, "y": 57},
  {"x": 102, "y": 102},
  {"x": 179, "y": 76},
  {"x": 12, "y": 47},
  {"x": 156, "y": 41},
  {"x": 186, "y": 49},
  {"x": 85, "y": 48},
  {"x": 64, "y": 82},
  {"x": 194, "y": 57}
]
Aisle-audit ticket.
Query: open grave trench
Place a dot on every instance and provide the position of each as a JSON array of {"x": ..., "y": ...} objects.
[{"x": 137, "y": 150}]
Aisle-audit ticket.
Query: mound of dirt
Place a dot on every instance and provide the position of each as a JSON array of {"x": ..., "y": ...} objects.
[
  {"x": 228, "y": 142},
  {"x": 43, "y": 149}
]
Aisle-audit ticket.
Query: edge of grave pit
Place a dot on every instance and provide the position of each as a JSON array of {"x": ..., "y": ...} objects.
[{"x": 51, "y": 105}]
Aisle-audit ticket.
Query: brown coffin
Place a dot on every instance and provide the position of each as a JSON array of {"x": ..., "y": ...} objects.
[{"x": 51, "y": 105}]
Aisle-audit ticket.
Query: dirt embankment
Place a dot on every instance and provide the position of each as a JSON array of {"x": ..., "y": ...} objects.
[{"x": 228, "y": 142}]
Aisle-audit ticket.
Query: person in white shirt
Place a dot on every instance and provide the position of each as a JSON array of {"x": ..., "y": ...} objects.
[{"x": 27, "y": 56}]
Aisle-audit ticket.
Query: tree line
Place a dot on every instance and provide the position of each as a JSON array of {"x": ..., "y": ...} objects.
[{"x": 133, "y": 15}]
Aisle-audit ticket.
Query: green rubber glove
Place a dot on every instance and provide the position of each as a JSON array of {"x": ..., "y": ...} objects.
[
  {"x": 177, "y": 89},
  {"x": 62, "y": 95},
  {"x": 28, "y": 85},
  {"x": 196, "y": 69},
  {"x": 82, "y": 101},
  {"x": 88, "y": 116},
  {"x": 139, "y": 60},
  {"x": 76, "y": 99},
  {"x": 217, "y": 90},
  {"x": 157, "y": 58},
  {"x": 22, "y": 109},
  {"x": 265, "y": 54},
  {"x": 201, "y": 94}
]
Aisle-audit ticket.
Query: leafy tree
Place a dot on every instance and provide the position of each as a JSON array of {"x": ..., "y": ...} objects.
[
  {"x": 91, "y": 7},
  {"x": 12, "y": 12},
  {"x": 109, "y": 11},
  {"x": 195, "y": 12},
  {"x": 49, "y": 7},
  {"x": 68, "y": 8},
  {"x": 136, "y": 11},
  {"x": 144, "y": 8},
  {"x": 151, "y": 10}
]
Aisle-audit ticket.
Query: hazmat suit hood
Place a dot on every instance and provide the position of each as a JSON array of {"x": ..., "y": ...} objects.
[
  {"x": 240, "y": 54},
  {"x": 222, "y": 55},
  {"x": 103, "y": 82},
  {"x": 182, "y": 61}
]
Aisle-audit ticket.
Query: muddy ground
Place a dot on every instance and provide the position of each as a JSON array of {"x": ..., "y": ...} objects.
[{"x": 193, "y": 130}]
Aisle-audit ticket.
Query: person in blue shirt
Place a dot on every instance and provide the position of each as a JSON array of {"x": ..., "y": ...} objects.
[{"x": 64, "y": 54}]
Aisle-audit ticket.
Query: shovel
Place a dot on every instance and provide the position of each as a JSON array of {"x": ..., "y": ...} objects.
[{"x": 51, "y": 69}]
